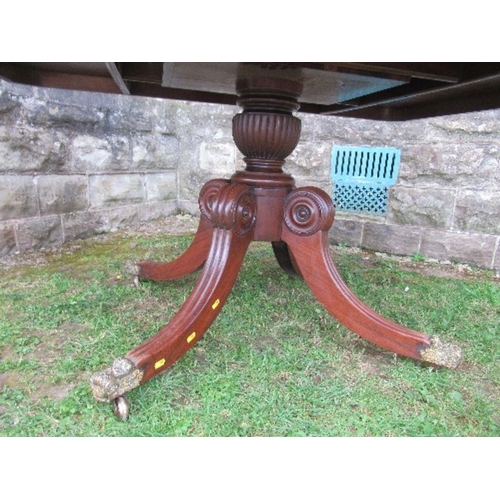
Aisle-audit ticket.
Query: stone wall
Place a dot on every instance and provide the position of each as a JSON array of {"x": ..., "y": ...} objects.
[
  {"x": 74, "y": 164},
  {"x": 446, "y": 202}
]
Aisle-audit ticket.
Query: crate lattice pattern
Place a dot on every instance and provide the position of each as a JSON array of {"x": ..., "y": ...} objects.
[
  {"x": 361, "y": 198},
  {"x": 362, "y": 177}
]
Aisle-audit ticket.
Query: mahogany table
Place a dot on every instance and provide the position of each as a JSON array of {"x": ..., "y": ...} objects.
[{"x": 261, "y": 202}]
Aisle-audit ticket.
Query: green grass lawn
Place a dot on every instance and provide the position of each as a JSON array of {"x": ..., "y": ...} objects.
[{"x": 274, "y": 363}]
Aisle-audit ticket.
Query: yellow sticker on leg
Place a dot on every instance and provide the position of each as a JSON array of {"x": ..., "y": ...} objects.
[
  {"x": 159, "y": 363},
  {"x": 191, "y": 337},
  {"x": 215, "y": 305}
]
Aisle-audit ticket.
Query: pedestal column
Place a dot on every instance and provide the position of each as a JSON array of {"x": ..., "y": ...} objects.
[{"x": 266, "y": 132}]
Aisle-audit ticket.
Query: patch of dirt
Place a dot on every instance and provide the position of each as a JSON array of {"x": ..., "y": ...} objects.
[
  {"x": 36, "y": 387},
  {"x": 46, "y": 351},
  {"x": 54, "y": 391},
  {"x": 10, "y": 379}
]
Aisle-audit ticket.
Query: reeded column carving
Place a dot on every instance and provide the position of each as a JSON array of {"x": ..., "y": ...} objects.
[
  {"x": 266, "y": 139},
  {"x": 266, "y": 132}
]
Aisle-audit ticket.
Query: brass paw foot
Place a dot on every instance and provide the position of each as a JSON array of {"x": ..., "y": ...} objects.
[
  {"x": 113, "y": 382},
  {"x": 441, "y": 354}
]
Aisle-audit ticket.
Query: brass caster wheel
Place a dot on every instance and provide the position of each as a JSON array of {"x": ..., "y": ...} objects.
[{"x": 121, "y": 407}]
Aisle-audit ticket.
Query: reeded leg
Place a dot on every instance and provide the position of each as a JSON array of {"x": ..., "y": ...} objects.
[
  {"x": 191, "y": 260},
  {"x": 196, "y": 254},
  {"x": 233, "y": 218},
  {"x": 308, "y": 215}
]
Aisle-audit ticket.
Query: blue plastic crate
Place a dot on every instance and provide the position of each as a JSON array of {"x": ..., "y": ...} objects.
[{"x": 362, "y": 177}]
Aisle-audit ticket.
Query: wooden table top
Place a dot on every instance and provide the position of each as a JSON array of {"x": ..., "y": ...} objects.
[{"x": 379, "y": 91}]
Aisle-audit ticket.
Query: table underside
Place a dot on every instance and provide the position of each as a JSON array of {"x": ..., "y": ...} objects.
[{"x": 379, "y": 91}]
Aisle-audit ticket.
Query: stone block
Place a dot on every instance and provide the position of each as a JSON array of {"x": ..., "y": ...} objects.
[
  {"x": 478, "y": 212},
  {"x": 17, "y": 197},
  {"x": 342, "y": 131},
  {"x": 24, "y": 149},
  {"x": 431, "y": 207},
  {"x": 122, "y": 217},
  {"x": 205, "y": 122},
  {"x": 42, "y": 112},
  {"x": 310, "y": 160},
  {"x": 130, "y": 120},
  {"x": 91, "y": 154},
  {"x": 7, "y": 238},
  {"x": 154, "y": 211},
  {"x": 450, "y": 165},
  {"x": 190, "y": 207},
  {"x": 121, "y": 152},
  {"x": 103, "y": 153},
  {"x": 190, "y": 183},
  {"x": 163, "y": 114},
  {"x": 470, "y": 248},
  {"x": 217, "y": 158},
  {"x": 199, "y": 163},
  {"x": 39, "y": 232},
  {"x": 59, "y": 194},
  {"x": 478, "y": 127},
  {"x": 154, "y": 152},
  {"x": 400, "y": 240},
  {"x": 345, "y": 231},
  {"x": 421, "y": 163},
  {"x": 115, "y": 189},
  {"x": 161, "y": 186},
  {"x": 81, "y": 225}
]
